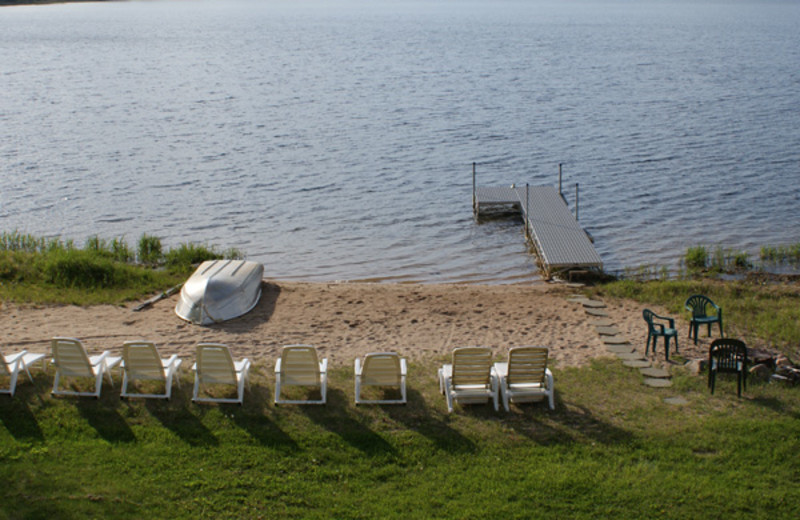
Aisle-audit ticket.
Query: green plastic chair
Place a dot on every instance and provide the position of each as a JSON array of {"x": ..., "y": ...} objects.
[
  {"x": 656, "y": 330},
  {"x": 727, "y": 356},
  {"x": 699, "y": 306}
]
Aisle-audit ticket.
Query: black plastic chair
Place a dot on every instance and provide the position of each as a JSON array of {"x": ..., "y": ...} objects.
[
  {"x": 727, "y": 355},
  {"x": 699, "y": 305},
  {"x": 656, "y": 330}
]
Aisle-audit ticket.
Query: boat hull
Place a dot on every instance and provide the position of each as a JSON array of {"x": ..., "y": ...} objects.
[{"x": 220, "y": 290}]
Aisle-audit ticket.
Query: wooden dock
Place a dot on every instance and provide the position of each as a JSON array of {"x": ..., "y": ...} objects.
[{"x": 559, "y": 241}]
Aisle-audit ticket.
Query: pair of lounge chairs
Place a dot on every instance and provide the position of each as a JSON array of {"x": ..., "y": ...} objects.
[
  {"x": 139, "y": 361},
  {"x": 299, "y": 365},
  {"x": 473, "y": 378}
]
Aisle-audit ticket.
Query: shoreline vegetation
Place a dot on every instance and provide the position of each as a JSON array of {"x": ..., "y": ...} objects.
[{"x": 612, "y": 447}]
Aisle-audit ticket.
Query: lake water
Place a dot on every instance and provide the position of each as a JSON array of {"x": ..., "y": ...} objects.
[{"x": 334, "y": 140}]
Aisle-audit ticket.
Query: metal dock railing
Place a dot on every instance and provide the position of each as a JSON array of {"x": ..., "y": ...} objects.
[{"x": 559, "y": 241}]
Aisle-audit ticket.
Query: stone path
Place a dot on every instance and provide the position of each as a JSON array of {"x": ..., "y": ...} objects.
[{"x": 618, "y": 345}]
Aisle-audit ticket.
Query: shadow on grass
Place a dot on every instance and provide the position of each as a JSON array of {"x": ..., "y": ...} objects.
[
  {"x": 253, "y": 419},
  {"x": 336, "y": 417},
  {"x": 566, "y": 424},
  {"x": 108, "y": 423},
  {"x": 776, "y": 405},
  {"x": 177, "y": 418},
  {"x": 426, "y": 421},
  {"x": 19, "y": 420}
]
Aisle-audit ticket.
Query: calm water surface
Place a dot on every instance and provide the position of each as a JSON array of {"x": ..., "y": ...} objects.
[{"x": 334, "y": 140}]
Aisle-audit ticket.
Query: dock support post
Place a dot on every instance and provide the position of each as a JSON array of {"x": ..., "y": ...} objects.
[
  {"x": 576, "y": 201},
  {"x": 526, "y": 219},
  {"x": 474, "y": 200},
  {"x": 559, "y": 179}
]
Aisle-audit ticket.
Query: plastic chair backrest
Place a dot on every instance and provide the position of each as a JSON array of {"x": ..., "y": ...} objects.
[
  {"x": 698, "y": 303},
  {"x": 647, "y": 314},
  {"x": 727, "y": 355}
]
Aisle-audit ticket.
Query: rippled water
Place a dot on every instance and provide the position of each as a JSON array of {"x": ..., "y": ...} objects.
[{"x": 334, "y": 140}]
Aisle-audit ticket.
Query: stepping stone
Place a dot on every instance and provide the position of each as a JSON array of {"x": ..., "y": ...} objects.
[
  {"x": 594, "y": 304},
  {"x": 636, "y": 363},
  {"x": 576, "y": 285},
  {"x": 607, "y": 331},
  {"x": 658, "y": 373},
  {"x": 619, "y": 349},
  {"x": 577, "y": 299},
  {"x": 615, "y": 340},
  {"x": 596, "y": 312},
  {"x": 657, "y": 383},
  {"x": 602, "y": 322},
  {"x": 630, "y": 356},
  {"x": 676, "y": 400}
]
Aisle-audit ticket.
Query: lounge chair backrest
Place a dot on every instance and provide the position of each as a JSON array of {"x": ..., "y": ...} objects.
[
  {"x": 381, "y": 369},
  {"x": 142, "y": 360},
  {"x": 300, "y": 365},
  {"x": 527, "y": 365},
  {"x": 4, "y": 370},
  {"x": 71, "y": 358},
  {"x": 215, "y": 364},
  {"x": 472, "y": 366}
]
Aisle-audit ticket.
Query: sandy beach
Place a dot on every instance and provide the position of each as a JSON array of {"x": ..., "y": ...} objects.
[{"x": 345, "y": 320}]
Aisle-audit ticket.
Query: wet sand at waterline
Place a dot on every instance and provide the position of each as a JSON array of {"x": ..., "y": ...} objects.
[{"x": 345, "y": 320}]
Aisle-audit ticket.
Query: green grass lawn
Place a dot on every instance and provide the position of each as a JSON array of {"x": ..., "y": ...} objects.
[{"x": 612, "y": 448}]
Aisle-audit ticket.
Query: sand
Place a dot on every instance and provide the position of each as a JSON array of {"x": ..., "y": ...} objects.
[{"x": 345, "y": 320}]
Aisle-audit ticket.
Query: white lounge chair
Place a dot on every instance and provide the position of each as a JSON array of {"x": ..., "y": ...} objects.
[
  {"x": 300, "y": 366},
  {"x": 525, "y": 378},
  {"x": 215, "y": 366},
  {"x": 71, "y": 360},
  {"x": 13, "y": 363},
  {"x": 470, "y": 378},
  {"x": 141, "y": 362},
  {"x": 385, "y": 369}
]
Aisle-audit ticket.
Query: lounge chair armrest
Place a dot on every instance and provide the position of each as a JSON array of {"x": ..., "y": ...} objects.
[
  {"x": 403, "y": 367},
  {"x": 14, "y": 358},
  {"x": 246, "y": 364},
  {"x": 358, "y": 367},
  {"x": 99, "y": 359},
  {"x": 323, "y": 366},
  {"x": 278, "y": 366}
]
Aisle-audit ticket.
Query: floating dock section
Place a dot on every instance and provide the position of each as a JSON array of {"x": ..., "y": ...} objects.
[{"x": 560, "y": 243}]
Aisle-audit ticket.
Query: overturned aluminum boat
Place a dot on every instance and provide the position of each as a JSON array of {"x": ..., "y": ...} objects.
[{"x": 220, "y": 290}]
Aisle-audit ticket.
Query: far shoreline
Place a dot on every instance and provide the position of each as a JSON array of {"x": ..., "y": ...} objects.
[{"x": 4, "y": 3}]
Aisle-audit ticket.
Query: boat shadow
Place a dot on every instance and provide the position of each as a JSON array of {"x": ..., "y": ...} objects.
[{"x": 258, "y": 315}]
